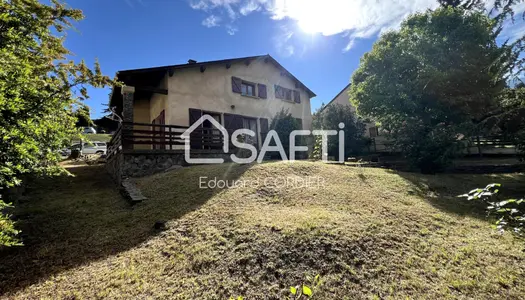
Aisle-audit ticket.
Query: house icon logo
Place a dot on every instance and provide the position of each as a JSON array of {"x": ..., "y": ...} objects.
[{"x": 187, "y": 141}]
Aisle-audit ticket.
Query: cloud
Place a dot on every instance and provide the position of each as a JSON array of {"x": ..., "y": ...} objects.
[
  {"x": 211, "y": 21},
  {"x": 231, "y": 29},
  {"x": 354, "y": 19}
]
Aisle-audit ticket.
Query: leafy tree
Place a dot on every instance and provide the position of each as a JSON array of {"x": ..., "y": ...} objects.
[
  {"x": 428, "y": 82},
  {"x": 38, "y": 88},
  {"x": 329, "y": 117},
  {"x": 83, "y": 116},
  {"x": 502, "y": 11},
  {"x": 283, "y": 123}
]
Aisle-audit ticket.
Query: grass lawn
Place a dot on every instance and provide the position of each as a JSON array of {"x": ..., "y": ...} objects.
[
  {"x": 369, "y": 233},
  {"x": 99, "y": 137}
]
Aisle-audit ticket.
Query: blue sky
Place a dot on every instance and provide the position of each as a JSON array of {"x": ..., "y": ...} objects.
[{"x": 320, "y": 42}]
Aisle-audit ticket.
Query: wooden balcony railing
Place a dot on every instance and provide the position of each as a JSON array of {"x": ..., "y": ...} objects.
[{"x": 163, "y": 137}]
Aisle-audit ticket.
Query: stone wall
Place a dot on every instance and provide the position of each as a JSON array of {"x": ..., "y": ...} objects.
[
  {"x": 138, "y": 163},
  {"x": 114, "y": 167},
  {"x": 143, "y": 163}
]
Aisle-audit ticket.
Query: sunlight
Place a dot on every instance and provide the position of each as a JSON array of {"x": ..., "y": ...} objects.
[{"x": 326, "y": 17}]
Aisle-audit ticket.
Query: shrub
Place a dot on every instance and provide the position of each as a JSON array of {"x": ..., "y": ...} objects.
[
  {"x": 510, "y": 212},
  {"x": 283, "y": 123},
  {"x": 329, "y": 117}
]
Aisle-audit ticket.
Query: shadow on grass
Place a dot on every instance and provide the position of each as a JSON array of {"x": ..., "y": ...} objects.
[
  {"x": 441, "y": 190},
  {"x": 71, "y": 221}
]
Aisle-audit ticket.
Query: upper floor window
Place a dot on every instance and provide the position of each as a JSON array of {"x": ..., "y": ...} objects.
[
  {"x": 248, "y": 89},
  {"x": 286, "y": 94}
]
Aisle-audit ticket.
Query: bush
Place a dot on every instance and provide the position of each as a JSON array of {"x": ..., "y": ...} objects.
[
  {"x": 283, "y": 123},
  {"x": 8, "y": 232},
  {"x": 329, "y": 117},
  {"x": 428, "y": 148},
  {"x": 510, "y": 212}
]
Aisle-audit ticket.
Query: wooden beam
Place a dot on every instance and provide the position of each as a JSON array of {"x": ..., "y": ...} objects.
[
  {"x": 247, "y": 62},
  {"x": 228, "y": 65},
  {"x": 171, "y": 71},
  {"x": 151, "y": 89},
  {"x": 203, "y": 68}
]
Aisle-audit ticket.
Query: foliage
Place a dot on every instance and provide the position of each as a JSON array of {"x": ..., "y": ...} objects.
[
  {"x": 38, "y": 87},
  {"x": 503, "y": 12},
  {"x": 510, "y": 212},
  {"x": 8, "y": 232},
  {"x": 83, "y": 116},
  {"x": 329, "y": 117},
  {"x": 509, "y": 118},
  {"x": 427, "y": 82},
  {"x": 305, "y": 290},
  {"x": 318, "y": 148},
  {"x": 283, "y": 123}
]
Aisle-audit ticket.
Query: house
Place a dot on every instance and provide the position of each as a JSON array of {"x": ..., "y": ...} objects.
[
  {"x": 158, "y": 104},
  {"x": 371, "y": 131}
]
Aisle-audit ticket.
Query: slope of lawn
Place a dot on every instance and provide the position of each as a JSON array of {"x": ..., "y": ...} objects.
[{"x": 369, "y": 233}]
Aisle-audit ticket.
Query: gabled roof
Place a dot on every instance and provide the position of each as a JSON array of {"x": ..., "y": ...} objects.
[
  {"x": 172, "y": 68},
  {"x": 344, "y": 89}
]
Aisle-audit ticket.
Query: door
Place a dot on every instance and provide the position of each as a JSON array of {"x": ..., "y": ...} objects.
[
  {"x": 250, "y": 123},
  {"x": 212, "y": 137}
]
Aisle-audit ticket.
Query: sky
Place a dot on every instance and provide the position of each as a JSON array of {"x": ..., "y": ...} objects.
[{"x": 319, "y": 42}]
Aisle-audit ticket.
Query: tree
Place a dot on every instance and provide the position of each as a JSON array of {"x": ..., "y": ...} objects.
[
  {"x": 283, "y": 123},
  {"x": 428, "y": 82},
  {"x": 329, "y": 117},
  {"x": 38, "y": 89},
  {"x": 83, "y": 116},
  {"x": 502, "y": 11}
]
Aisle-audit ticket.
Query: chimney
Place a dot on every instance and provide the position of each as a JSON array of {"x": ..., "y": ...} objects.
[{"x": 192, "y": 61}]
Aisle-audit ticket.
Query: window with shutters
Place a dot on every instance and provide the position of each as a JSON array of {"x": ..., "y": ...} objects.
[
  {"x": 287, "y": 94},
  {"x": 248, "y": 89}
]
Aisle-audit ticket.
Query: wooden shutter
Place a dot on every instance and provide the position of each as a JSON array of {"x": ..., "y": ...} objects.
[
  {"x": 195, "y": 142},
  {"x": 195, "y": 114},
  {"x": 296, "y": 97},
  {"x": 236, "y": 85},
  {"x": 262, "y": 91},
  {"x": 232, "y": 122},
  {"x": 264, "y": 128}
]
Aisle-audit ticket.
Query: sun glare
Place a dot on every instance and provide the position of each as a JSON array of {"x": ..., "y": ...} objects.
[{"x": 315, "y": 17}]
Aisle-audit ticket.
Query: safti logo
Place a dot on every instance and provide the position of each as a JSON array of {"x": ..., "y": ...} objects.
[{"x": 272, "y": 134}]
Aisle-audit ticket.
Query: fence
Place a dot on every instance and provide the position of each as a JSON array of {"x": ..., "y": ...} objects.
[
  {"x": 163, "y": 137},
  {"x": 495, "y": 144}
]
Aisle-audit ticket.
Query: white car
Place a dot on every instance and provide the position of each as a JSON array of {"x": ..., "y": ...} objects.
[
  {"x": 91, "y": 147},
  {"x": 89, "y": 130}
]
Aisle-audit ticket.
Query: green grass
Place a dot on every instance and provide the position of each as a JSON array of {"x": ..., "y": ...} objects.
[
  {"x": 98, "y": 137},
  {"x": 369, "y": 233}
]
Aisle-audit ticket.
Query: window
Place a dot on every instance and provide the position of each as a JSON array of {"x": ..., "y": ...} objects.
[
  {"x": 286, "y": 94},
  {"x": 247, "y": 89},
  {"x": 250, "y": 123},
  {"x": 101, "y": 144}
]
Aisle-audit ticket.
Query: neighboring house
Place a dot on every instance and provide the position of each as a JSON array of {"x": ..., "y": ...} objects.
[
  {"x": 371, "y": 131},
  {"x": 239, "y": 93}
]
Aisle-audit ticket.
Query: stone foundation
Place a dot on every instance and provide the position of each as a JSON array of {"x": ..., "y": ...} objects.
[{"x": 138, "y": 163}]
